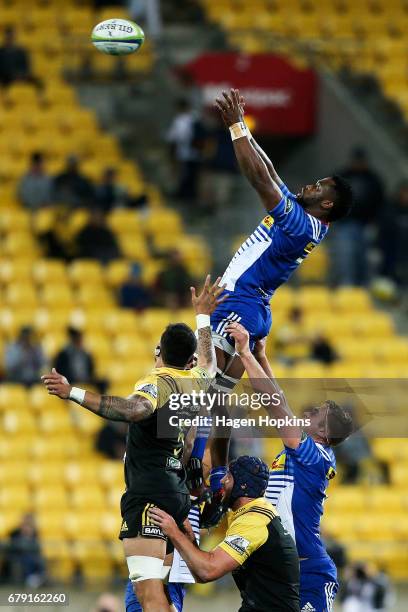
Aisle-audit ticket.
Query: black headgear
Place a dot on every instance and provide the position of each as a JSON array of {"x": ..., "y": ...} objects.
[{"x": 251, "y": 476}]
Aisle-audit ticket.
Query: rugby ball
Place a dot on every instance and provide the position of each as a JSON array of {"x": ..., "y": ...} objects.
[{"x": 117, "y": 37}]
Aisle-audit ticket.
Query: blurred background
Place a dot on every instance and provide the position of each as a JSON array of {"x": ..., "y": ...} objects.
[{"x": 119, "y": 188}]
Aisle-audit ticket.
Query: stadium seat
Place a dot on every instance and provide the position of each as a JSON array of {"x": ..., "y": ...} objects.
[
  {"x": 84, "y": 497},
  {"x": 49, "y": 271},
  {"x": 51, "y": 497},
  {"x": 13, "y": 396},
  {"x": 13, "y": 472},
  {"x": 110, "y": 473},
  {"x": 86, "y": 271},
  {"x": 45, "y": 473},
  {"x": 17, "y": 497}
]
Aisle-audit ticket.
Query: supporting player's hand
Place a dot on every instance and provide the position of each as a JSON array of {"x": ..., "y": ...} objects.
[
  {"x": 163, "y": 520},
  {"x": 241, "y": 337},
  {"x": 56, "y": 384},
  {"x": 209, "y": 298},
  {"x": 231, "y": 107}
]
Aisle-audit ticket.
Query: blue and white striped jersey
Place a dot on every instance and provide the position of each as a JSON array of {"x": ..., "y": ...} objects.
[
  {"x": 297, "y": 488},
  {"x": 282, "y": 240}
]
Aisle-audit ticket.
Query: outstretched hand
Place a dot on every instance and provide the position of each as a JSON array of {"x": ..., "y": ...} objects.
[
  {"x": 56, "y": 384},
  {"x": 231, "y": 107},
  {"x": 209, "y": 298}
]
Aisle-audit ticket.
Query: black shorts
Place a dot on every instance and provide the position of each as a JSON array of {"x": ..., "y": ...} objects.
[{"x": 135, "y": 519}]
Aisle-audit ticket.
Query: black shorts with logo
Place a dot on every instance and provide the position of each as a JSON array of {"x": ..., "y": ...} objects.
[{"x": 135, "y": 519}]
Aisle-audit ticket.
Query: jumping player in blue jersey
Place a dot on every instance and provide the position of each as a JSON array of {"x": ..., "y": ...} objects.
[
  {"x": 293, "y": 227},
  {"x": 300, "y": 474}
]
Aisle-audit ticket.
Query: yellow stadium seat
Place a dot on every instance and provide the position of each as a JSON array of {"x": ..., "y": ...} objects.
[
  {"x": 86, "y": 271},
  {"x": 86, "y": 422},
  {"x": 50, "y": 497},
  {"x": 82, "y": 526},
  {"x": 50, "y": 320},
  {"x": 94, "y": 560},
  {"x": 49, "y": 271},
  {"x": 11, "y": 321},
  {"x": 18, "y": 422},
  {"x": 110, "y": 473},
  {"x": 9, "y": 520},
  {"x": 123, "y": 221},
  {"x": 90, "y": 496},
  {"x": 59, "y": 448},
  {"x": 13, "y": 396},
  {"x": 132, "y": 347},
  {"x": 346, "y": 499},
  {"x": 77, "y": 474},
  {"x": 52, "y": 342},
  {"x": 16, "y": 447},
  {"x": 56, "y": 296},
  {"x": 154, "y": 321},
  {"x": 113, "y": 496},
  {"x": 164, "y": 220},
  {"x": 134, "y": 247},
  {"x": 117, "y": 272},
  {"x": 16, "y": 270},
  {"x": 19, "y": 245},
  {"x": 14, "y": 221},
  {"x": 44, "y": 473},
  {"x": 22, "y": 93},
  {"x": 13, "y": 472},
  {"x": 352, "y": 299},
  {"x": 17, "y": 294},
  {"x": 17, "y": 497},
  {"x": 383, "y": 499},
  {"x": 56, "y": 421},
  {"x": 94, "y": 294},
  {"x": 110, "y": 525},
  {"x": 122, "y": 322},
  {"x": 60, "y": 564}
]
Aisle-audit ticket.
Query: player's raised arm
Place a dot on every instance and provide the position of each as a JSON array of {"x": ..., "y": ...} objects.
[
  {"x": 135, "y": 408},
  {"x": 251, "y": 163},
  {"x": 263, "y": 380},
  {"x": 204, "y": 305}
]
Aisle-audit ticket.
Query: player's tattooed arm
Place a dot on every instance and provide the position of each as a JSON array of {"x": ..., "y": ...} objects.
[
  {"x": 204, "y": 304},
  {"x": 250, "y": 161},
  {"x": 131, "y": 409}
]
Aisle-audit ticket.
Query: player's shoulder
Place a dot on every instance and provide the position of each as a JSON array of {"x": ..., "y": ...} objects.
[{"x": 256, "y": 513}]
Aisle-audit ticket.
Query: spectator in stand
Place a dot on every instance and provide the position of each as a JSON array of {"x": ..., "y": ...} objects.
[
  {"x": 133, "y": 293},
  {"x": 184, "y": 137},
  {"x": 74, "y": 361},
  {"x": 351, "y": 240},
  {"x": 111, "y": 440},
  {"x": 292, "y": 343},
  {"x": 394, "y": 237},
  {"x": 35, "y": 187},
  {"x": 14, "y": 59},
  {"x": 71, "y": 187},
  {"x": 24, "y": 359},
  {"x": 109, "y": 194},
  {"x": 220, "y": 165},
  {"x": 173, "y": 282},
  {"x": 322, "y": 350},
  {"x": 24, "y": 563},
  {"x": 365, "y": 590},
  {"x": 96, "y": 240}
]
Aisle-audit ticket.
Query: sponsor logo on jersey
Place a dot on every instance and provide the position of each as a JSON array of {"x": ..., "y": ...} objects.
[
  {"x": 124, "y": 526},
  {"x": 331, "y": 473},
  {"x": 173, "y": 464},
  {"x": 149, "y": 389},
  {"x": 267, "y": 221},
  {"x": 279, "y": 464},
  {"x": 309, "y": 247},
  {"x": 238, "y": 543},
  {"x": 152, "y": 531},
  {"x": 288, "y": 205},
  {"x": 308, "y": 608}
]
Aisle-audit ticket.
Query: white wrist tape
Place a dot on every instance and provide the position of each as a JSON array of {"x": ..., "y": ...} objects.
[
  {"x": 249, "y": 135},
  {"x": 77, "y": 395},
  {"x": 238, "y": 130},
  {"x": 203, "y": 320}
]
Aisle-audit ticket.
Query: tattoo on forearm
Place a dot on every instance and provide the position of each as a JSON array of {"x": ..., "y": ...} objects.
[
  {"x": 120, "y": 409},
  {"x": 205, "y": 345}
]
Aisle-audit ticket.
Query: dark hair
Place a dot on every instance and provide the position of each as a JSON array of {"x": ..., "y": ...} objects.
[
  {"x": 74, "y": 333},
  {"x": 340, "y": 423},
  {"x": 37, "y": 157},
  {"x": 343, "y": 199},
  {"x": 177, "y": 344}
]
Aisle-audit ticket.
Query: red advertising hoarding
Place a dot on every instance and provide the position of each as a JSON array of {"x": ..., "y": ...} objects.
[{"x": 279, "y": 96}]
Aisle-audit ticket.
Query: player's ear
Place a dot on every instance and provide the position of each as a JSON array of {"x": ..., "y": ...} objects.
[{"x": 327, "y": 204}]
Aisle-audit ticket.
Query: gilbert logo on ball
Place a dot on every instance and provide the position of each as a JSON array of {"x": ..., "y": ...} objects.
[{"x": 117, "y": 37}]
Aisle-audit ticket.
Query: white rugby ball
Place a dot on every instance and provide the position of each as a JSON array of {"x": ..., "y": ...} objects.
[{"x": 117, "y": 37}]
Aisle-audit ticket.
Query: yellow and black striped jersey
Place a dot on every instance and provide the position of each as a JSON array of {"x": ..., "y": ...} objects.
[{"x": 268, "y": 572}]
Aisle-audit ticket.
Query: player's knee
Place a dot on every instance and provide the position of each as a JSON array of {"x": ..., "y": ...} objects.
[
  {"x": 143, "y": 568},
  {"x": 151, "y": 595}
]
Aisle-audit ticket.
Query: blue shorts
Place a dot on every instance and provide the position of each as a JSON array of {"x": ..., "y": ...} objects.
[
  {"x": 318, "y": 585},
  {"x": 254, "y": 315},
  {"x": 176, "y": 591}
]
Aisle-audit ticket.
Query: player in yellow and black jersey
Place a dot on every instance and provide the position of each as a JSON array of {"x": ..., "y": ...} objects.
[
  {"x": 154, "y": 472},
  {"x": 257, "y": 549}
]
